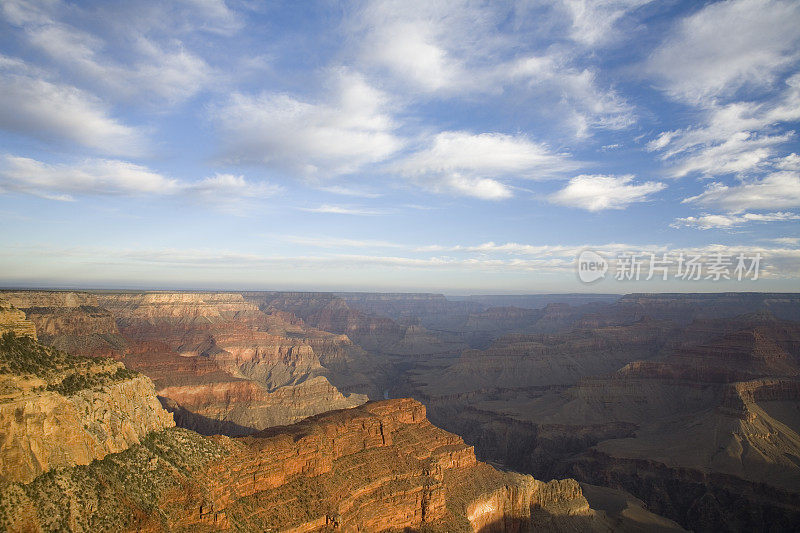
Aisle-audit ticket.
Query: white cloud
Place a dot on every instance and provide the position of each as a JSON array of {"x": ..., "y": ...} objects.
[
  {"x": 588, "y": 105},
  {"x": 790, "y": 241},
  {"x": 173, "y": 74},
  {"x": 739, "y": 153},
  {"x": 217, "y": 264},
  {"x": 57, "y": 112},
  {"x": 598, "y": 192},
  {"x": 94, "y": 176},
  {"x": 107, "y": 177},
  {"x": 337, "y": 242},
  {"x": 483, "y": 188},
  {"x": 727, "y": 45},
  {"x": 350, "y": 191},
  {"x": 215, "y": 16},
  {"x": 729, "y": 221},
  {"x": 343, "y": 210},
  {"x": 790, "y": 162},
  {"x": 157, "y": 67},
  {"x": 411, "y": 52},
  {"x": 593, "y": 21},
  {"x": 459, "y": 49},
  {"x": 662, "y": 141},
  {"x": 541, "y": 250},
  {"x": 779, "y": 190},
  {"x": 423, "y": 44},
  {"x": 312, "y": 140},
  {"x": 738, "y": 137},
  {"x": 476, "y": 164},
  {"x": 228, "y": 193}
]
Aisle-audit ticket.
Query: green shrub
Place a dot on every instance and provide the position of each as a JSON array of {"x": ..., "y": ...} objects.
[{"x": 65, "y": 373}]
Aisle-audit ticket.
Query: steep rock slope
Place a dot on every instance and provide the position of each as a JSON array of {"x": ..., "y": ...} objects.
[
  {"x": 59, "y": 410},
  {"x": 14, "y": 320},
  {"x": 706, "y": 432},
  {"x": 71, "y": 321},
  {"x": 376, "y": 333},
  {"x": 222, "y": 365},
  {"x": 381, "y": 466}
]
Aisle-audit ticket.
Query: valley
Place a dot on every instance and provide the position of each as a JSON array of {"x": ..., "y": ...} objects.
[{"x": 684, "y": 409}]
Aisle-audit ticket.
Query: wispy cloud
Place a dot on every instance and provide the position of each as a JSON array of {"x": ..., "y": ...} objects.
[
  {"x": 733, "y": 138},
  {"x": 593, "y": 21},
  {"x": 457, "y": 49},
  {"x": 344, "y": 210},
  {"x": 780, "y": 262},
  {"x": 598, "y": 192},
  {"x": 157, "y": 66},
  {"x": 34, "y": 106},
  {"x": 708, "y": 221},
  {"x": 337, "y": 242},
  {"x": 310, "y": 139},
  {"x": 727, "y": 45},
  {"x": 779, "y": 190},
  {"x": 350, "y": 191},
  {"x": 788, "y": 241},
  {"x": 479, "y": 165},
  {"x": 108, "y": 177}
]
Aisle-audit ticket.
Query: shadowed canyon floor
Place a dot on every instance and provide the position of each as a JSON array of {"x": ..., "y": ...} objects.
[{"x": 691, "y": 403}]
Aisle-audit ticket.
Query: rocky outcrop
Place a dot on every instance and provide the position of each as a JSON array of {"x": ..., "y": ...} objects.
[
  {"x": 70, "y": 321},
  {"x": 34, "y": 298},
  {"x": 241, "y": 407},
  {"x": 15, "y": 321},
  {"x": 381, "y": 466},
  {"x": 220, "y": 364},
  {"x": 41, "y": 430},
  {"x": 176, "y": 307},
  {"x": 374, "y": 332}
]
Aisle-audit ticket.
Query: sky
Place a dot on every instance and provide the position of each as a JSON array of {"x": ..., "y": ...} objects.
[{"x": 459, "y": 147}]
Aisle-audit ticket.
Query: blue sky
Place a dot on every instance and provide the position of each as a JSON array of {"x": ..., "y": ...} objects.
[{"x": 452, "y": 146}]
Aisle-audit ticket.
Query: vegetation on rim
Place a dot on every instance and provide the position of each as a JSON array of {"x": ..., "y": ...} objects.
[{"x": 64, "y": 373}]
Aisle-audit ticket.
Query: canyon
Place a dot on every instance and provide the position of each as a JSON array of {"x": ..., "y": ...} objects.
[
  {"x": 93, "y": 450},
  {"x": 682, "y": 405},
  {"x": 688, "y": 402}
]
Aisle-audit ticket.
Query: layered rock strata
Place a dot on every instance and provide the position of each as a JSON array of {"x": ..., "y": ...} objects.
[
  {"x": 378, "y": 467},
  {"x": 14, "y": 320},
  {"x": 59, "y": 411},
  {"x": 71, "y": 321}
]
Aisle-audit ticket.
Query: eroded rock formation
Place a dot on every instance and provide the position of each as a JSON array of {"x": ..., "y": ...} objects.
[
  {"x": 707, "y": 415},
  {"x": 222, "y": 365},
  {"x": 381, "y": 466},
  {"x": 57, "y": 410},
  {"x": 71, "y": 321},
  {"x": 14, "y": 320}
]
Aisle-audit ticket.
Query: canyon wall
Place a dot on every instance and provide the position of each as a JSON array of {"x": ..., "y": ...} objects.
[
  {"x": 70, "y": 320},
  {"x": 380, "y": 466},
  {"x": 57, "y": 410},
  {"x": 218, "y": 362},
  {"x": 222, "y": 365},
  {"x": 14, "y": 320},
  {"x": 695, "y": 417}
]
